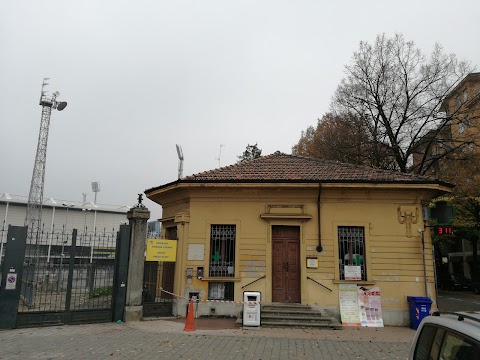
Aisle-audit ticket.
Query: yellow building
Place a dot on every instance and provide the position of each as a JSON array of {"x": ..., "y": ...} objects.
[{"x": 294, "y": 228}]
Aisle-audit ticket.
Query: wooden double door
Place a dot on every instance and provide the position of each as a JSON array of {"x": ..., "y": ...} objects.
[{"x": 286, "y": 264}]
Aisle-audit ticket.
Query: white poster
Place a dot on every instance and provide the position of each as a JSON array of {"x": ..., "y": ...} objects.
[
  {"x": 370, "y": 305},
  {"x": 349, "y": 309},
  {"x": 353, "y": 272}
]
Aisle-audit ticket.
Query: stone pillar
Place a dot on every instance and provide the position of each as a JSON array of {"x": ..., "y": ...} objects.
[{"x": 138, "y": 217}]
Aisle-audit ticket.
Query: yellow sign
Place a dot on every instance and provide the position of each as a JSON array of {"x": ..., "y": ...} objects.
[{"x": 161, "y": 250}]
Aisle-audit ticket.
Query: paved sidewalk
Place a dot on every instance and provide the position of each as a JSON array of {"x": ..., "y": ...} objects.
[{"x": 162, "y": 339}]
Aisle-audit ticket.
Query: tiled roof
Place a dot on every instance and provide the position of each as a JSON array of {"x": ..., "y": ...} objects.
[{"x": 279, "y": 167}]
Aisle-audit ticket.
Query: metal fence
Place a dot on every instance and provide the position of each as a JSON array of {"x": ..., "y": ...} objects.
[
  {"x": 54, "y": 260},
  {"x": 66, "y": 275}
]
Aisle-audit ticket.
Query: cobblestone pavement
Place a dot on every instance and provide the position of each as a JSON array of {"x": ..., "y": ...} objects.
[{"x": 162, "y": 339}]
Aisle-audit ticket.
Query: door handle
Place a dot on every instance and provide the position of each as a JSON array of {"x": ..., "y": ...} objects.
[{"x": 286, "y": 267}]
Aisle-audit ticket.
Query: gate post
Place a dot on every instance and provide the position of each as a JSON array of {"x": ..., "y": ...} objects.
[
  {"x": 12, "y": 276},
  {"x": 120, "y": 274},
  {"x": 71, "y": 268},
  {"x": 138, "y": 217}
]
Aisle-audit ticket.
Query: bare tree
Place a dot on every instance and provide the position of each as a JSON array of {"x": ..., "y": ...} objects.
[{"x": 398, "y": 91}]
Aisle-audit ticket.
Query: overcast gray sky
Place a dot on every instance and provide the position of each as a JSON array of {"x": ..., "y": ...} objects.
[{"x": 142, "y": 76}]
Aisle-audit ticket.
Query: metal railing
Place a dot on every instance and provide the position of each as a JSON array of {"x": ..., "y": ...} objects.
[
  {"x": 260, "y": 278},
  {"x": 315, "y": 281}
]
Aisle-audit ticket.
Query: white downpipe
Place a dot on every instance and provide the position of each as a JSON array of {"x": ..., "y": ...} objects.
[
  {"x": 51, "y": 236},
  {"x": 3, "y": 232}
]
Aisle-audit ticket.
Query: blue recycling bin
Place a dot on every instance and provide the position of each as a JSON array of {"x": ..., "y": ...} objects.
[{"x": 419, "y": 307}]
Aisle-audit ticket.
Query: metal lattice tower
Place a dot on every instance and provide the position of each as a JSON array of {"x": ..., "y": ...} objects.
[{"x": 35, "y": 198}]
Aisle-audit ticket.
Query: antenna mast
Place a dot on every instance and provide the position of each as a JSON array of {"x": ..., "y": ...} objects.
[
  {"x": 180, "y": 161},
  {"x": 220, "y": 155},
  {"x": 35, "y": 197}
]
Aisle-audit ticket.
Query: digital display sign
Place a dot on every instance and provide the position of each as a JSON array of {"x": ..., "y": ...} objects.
[{"x": 443, "y": 230}]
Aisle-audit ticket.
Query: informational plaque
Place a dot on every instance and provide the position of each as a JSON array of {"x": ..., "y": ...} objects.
[
  {"x": 349, "y": 309},
  {"x": 312, "y": 262},
  {"x": 196, "y": 251}
]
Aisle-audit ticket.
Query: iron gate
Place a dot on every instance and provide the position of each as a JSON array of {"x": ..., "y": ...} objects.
[
  {"x": 66, "y": 277},
  {"x": 157, "y": 276}
]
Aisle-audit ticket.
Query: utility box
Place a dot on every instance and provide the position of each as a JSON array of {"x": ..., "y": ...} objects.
[{"x": 251, "y": 308}]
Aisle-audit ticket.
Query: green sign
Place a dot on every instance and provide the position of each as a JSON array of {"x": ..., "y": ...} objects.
[{"x": 442, "y": 213}]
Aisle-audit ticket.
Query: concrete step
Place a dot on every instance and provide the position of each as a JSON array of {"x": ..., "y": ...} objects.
[
  {"x": 335, "y": 325},
  {"x": 286, "y": 313},
  {"x": 295, "y": 315},
  {"x": 286, "y": 306}
]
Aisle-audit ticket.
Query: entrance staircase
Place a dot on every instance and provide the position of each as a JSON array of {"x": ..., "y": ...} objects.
[{"x": 295, "y": 315}]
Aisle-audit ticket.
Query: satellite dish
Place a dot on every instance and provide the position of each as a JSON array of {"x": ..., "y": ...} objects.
[
  {"x": 62, "y": 105},
  {"x": 56, "y": 94}
]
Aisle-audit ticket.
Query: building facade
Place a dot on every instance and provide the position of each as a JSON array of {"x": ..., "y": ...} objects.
[
  {"x": 61, "y": 216},
  {"x": 295, "y": 229},
  {"x": 462, "y": 106}
]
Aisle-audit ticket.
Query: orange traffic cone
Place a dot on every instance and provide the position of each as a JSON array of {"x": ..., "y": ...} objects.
[{"x": 190, "y": 324}]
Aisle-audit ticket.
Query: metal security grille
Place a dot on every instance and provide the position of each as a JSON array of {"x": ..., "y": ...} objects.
[
  {"x": 171, "y": 233},
  {"x": 351, "y": 248},
  {"x": 222, "y": 251},
  {"x": 220, "y": 291}
]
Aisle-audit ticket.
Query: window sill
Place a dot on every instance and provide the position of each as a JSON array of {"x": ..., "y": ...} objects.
[
  {"x": 359, "y": 282},
  {"x": 221, "y": 279},
  {"x": 286, "y": 216}
]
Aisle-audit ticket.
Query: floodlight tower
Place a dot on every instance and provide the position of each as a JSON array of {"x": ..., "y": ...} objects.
[
  {"x": 95, "y": 189},
  {"x": 180, "y": 161},
  {"x": 35, "y": 197}
]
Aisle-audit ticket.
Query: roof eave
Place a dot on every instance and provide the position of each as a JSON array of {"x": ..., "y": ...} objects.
[{"x": 437, "y": 185}]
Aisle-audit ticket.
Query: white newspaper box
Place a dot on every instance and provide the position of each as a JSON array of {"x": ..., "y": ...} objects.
[{"x": 251, "y": 308}]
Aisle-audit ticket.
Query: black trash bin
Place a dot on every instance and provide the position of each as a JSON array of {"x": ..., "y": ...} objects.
[{"x": 419, "y": 307}]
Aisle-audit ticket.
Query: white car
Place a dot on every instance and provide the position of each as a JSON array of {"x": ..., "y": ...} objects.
[{"x": 447, "y": 336}]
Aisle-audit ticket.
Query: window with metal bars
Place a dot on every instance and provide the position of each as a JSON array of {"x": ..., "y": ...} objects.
[
  {"x": 222, "y": 251},
  {"x": 220, "y": 291},
  {"x": 171, "y": 233},
  {"x": 351, "y": 249}
]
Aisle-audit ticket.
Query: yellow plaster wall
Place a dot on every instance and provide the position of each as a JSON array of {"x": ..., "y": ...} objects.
[{"x": 394, "y": 260}]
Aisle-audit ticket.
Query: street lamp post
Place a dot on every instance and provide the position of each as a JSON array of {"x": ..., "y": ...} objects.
[
  {"x": 64, "y": 241},
  {"x": 85, "y": 234},
  {"x": 51, "y": 236}
]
